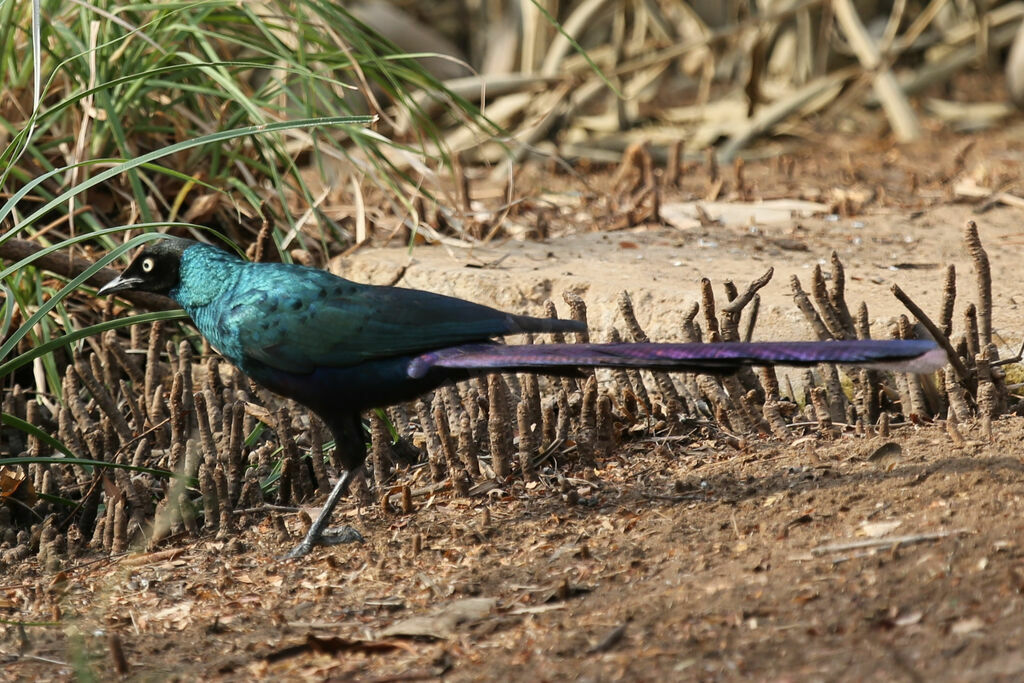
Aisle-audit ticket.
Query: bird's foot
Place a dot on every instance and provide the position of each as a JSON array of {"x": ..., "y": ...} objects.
[
  {"x": 341, "y": 534},
  {"x": 318, "y": 529},
  {"x": 332, "y": 536}
]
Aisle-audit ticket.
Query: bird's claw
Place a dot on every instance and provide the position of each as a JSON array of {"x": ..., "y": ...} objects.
[
  {"x": 301, "y": 550},
  {"x": 342, "y": 534}
]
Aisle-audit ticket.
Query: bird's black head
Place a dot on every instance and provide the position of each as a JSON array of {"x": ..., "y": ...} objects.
[{"x": 155, "y": 269}]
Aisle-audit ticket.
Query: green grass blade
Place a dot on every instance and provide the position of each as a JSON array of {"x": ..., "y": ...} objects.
[
  {"x": 121, "y": 165},
  {"x": 8, "y": 306},
  {"x": 89, "y": 463},
  {"x": 99, "y": 328},
  {"x": 29, "y": 428}
]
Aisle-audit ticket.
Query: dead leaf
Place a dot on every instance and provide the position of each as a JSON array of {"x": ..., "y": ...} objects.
[
  {"x": 13, "y": 483},
  {"x": 203, "y": 208},
  {"x": 261, "y": 414}
]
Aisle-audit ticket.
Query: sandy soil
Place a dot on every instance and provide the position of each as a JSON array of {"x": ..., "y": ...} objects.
[{"x": 861, "y": 558}]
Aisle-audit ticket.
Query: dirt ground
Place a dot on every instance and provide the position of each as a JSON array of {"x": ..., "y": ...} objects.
[
  {"x": 810, "y": 561},
  {"x": 859, "y": 558}
]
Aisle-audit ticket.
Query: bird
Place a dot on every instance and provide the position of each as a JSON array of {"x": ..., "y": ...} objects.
[{"x": 340, "y": 347}]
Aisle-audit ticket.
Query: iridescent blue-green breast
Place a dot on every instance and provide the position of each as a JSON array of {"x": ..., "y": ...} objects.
[{"x": 209, "y": 279}]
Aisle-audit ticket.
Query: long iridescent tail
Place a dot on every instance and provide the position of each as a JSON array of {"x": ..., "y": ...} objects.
[{"x": 902, "y": 355}]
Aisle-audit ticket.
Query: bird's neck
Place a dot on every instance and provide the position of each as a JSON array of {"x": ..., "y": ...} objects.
[{"x": 205, "y": 274}]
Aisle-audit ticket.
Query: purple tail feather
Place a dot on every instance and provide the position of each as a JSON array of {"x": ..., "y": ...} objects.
[{"x": 901, "y": 355}]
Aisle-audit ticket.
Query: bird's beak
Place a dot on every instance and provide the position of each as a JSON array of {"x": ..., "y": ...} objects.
[{"x": 119, "y": 284}]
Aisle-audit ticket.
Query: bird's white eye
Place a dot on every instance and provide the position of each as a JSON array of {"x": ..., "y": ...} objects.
[{"x": 147, "y": 265}]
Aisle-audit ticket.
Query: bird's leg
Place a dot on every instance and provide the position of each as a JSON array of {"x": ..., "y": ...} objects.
[
  {"x": 349, "y": 440},
  {"x": 316, "y": 530}
]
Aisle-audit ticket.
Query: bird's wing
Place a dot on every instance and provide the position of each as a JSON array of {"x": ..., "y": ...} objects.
[{"x": 297, "y": 319}]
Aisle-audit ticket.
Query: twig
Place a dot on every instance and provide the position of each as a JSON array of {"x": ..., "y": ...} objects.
[
  {"x": 942, "y": 339},
  {"x": 887, "y": 542}
]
